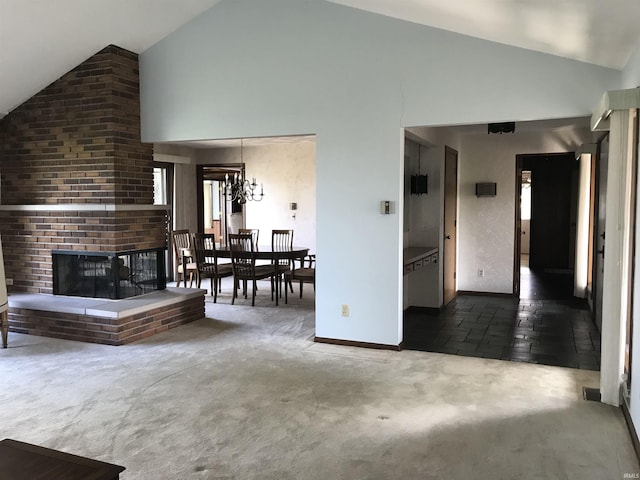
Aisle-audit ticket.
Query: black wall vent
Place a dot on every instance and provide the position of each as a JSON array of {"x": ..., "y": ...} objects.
[{"x": 485, "y": 189}]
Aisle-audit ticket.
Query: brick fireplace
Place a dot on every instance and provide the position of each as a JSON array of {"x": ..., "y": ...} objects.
[{"x": 74, "y": 174}]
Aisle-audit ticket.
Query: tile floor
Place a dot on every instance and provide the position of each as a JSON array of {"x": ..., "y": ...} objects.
[{"x": 547, "y": 325}]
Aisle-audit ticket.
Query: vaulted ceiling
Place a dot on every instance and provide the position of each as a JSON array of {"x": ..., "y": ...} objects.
[
  {"x": 602, "y": 32},
  {"x": 40, "y": 40}
]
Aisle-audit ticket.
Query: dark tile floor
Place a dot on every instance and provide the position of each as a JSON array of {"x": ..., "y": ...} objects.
[{"x": 547, "y": 325}]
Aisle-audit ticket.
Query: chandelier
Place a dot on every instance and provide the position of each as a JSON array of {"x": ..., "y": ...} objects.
[{"x": 239, "y": 189}]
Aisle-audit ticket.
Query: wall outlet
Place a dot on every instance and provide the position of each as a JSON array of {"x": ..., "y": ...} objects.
[
  {"x": 481, "y": 273},
  {"x": 8, "y": 281},
  {"x": 345, "y": 310}
]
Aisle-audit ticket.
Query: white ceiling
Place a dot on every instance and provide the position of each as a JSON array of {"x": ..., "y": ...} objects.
[
  {"x": 40, "y": 40},
  {"x": 603, "y": 32}
]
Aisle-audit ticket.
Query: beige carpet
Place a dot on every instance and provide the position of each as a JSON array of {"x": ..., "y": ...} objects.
[{"x": 246, "y": 394}]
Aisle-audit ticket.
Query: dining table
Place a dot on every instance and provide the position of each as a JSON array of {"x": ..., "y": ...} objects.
[{"x": 262, "y": 252}]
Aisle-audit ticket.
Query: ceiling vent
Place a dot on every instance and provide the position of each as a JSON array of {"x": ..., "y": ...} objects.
[{"x": 505, "y": 127}]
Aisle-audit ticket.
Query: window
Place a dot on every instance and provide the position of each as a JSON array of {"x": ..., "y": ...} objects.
[{"x": 160, "y": 196}]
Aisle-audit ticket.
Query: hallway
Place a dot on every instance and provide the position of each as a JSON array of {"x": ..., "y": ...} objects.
[{"x": 547, "y": 325}]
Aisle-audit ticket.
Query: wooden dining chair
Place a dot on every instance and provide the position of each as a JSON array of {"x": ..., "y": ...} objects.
[
  {"x": 254, "y": 232},
  {"x": 243, "y": 263},
  {"x": 282, "y": 240},
  {"x": 185, "y": 264},
  {"x": 206, "y": 259},
  {"x": 306, "y": 273}
]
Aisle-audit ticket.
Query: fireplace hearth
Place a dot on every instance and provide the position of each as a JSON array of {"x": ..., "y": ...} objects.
[{"x": 113, "y": 275}]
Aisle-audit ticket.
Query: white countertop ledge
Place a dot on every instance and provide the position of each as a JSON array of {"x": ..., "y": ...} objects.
[
  {"x": 411, "y": 254},
  {"x": 101, "y": 307}
]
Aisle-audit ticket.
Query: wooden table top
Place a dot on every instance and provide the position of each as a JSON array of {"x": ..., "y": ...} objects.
[
  {"x": 265, "y": 252},
  {"x": 24, "y": 461}
]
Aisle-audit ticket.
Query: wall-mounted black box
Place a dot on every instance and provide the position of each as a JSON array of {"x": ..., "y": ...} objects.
[
  {"x": 418, "y": 184},
  {"x": 485, "y": 189}
]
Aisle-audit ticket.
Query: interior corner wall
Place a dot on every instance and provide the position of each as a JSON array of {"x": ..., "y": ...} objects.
[
  {"x": 631, "y": 72},
  {"x": 356, "y": 89},
  {"x": 288, "y": 174},
  {"x": 486, "y": 224},
  {"x": 410, "y": 226},
  {"x": 424, "y": 210}
]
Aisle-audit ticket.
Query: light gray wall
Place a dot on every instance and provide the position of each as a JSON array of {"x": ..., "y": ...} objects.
[
  {"x": 254, "y": 68},
  {"x": 631, "y": 72}
]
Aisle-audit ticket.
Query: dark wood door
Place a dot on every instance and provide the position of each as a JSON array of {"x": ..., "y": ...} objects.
[
  {"x": 450, "y": 236},
  {"x": 552, "y": 191}
]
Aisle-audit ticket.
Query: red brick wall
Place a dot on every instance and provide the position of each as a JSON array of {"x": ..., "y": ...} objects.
[
  {"x": 77, "y": 142},
  {"x": 29, "y": 237},
  {"x": 116, "y": 331}
]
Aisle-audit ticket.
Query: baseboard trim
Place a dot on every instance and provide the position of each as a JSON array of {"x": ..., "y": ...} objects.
[
  {"x": 351, "y": 343},
  {"x": 632, "y": 429},
  {"x": 487, "y": 294}
]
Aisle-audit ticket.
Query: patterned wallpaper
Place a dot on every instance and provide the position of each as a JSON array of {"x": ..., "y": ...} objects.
[{"x": 486, "y": 224}]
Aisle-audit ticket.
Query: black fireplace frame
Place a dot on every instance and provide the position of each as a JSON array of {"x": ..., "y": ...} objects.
[{"x": 111, "y": 275}]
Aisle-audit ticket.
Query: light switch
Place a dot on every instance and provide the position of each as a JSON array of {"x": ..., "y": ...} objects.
[{"x": 386, "y": 207}]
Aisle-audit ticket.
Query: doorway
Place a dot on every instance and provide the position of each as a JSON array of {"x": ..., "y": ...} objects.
[
  {"x": 525, "y": 217},
  {"x": 218, "y": 214},
  {"x": 545, "y": 226}
]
